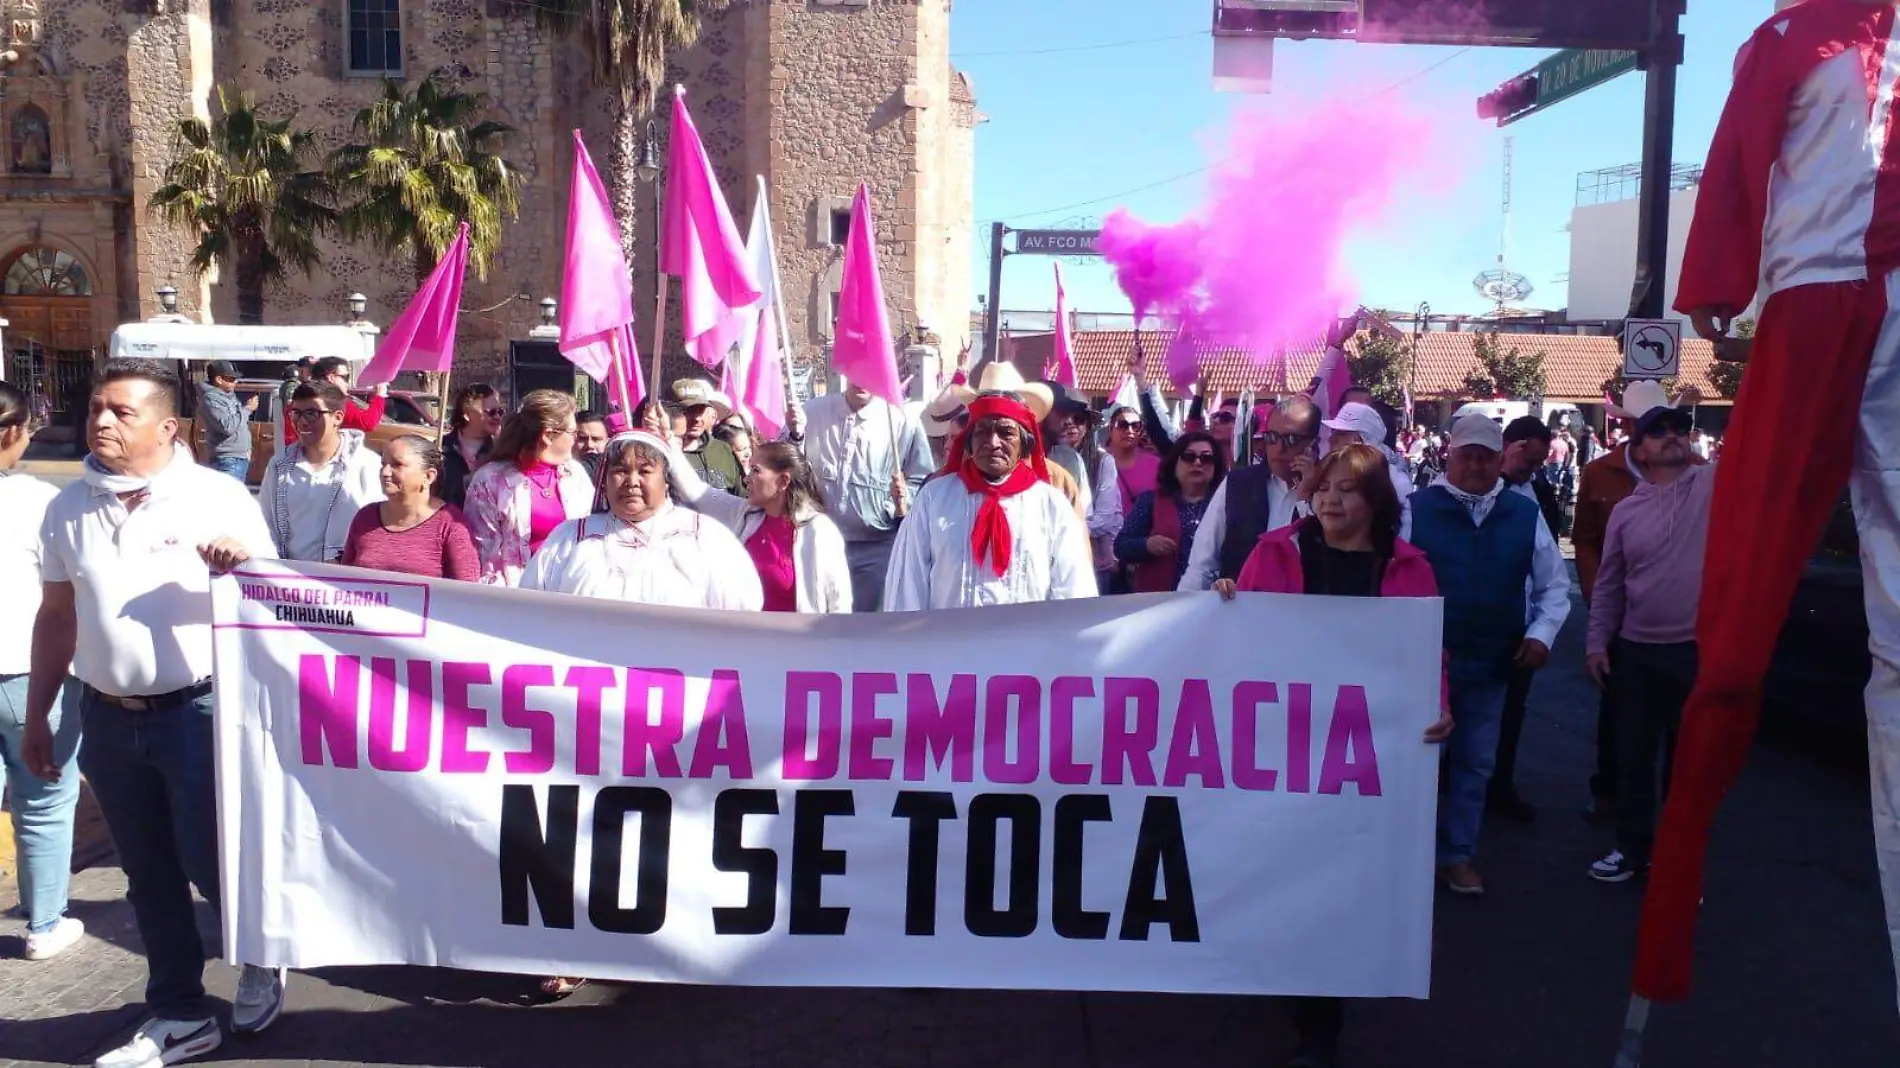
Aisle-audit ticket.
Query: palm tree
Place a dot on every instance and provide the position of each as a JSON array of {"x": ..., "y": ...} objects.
[
  {"x": 241, "y": 184},
  {"x": 422, "y": 164},
  {"x": 627, "y": 43}
]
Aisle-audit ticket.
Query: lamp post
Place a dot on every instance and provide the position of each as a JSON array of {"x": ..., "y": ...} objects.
[
  {"x": 359, "y": 304},
  {"x": 649, "y": 170},
  {"x": 168, "y": 299},
  {"x": 550, "y": 310}
]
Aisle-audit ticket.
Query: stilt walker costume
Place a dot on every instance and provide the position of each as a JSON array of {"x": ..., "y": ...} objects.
[{"x": 1800, "y": 203}]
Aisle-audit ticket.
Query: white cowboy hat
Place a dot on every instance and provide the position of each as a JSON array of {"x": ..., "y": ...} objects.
[
  {"x": 950, "y": 405},
  {"x": 1639, "y": 399},
  {"x": 1004, "y": 378}
]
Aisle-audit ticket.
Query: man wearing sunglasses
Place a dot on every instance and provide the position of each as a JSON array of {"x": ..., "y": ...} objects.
[
  {"x": 1253, "y": 500},
  {"x": 1647, "y": 590}
]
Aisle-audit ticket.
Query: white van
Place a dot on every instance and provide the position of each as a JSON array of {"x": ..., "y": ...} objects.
[{"x": 1503, "y": 412}]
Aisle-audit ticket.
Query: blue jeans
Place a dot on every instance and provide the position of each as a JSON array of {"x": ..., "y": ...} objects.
[
  {"x": 153, "y": 776},
  {"x": 42, "y": 811},
  {"x": 1477, "y": 713},
  {"x": 237, "y": 467}
]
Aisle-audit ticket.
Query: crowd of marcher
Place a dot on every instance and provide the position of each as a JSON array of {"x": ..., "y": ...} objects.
[{"x": 1000, "y": 491}]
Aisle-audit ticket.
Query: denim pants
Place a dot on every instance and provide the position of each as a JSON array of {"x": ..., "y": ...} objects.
[
  {"x": 42, "y": 811},
  {"x": 236, "y": 466},
  {"x": 869, "y": 561},
  {"x": 1477, "y": 712},
  {"x": 153, "y": 776}
]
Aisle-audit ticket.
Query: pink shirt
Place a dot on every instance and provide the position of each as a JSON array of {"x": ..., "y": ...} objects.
[
  {"x": 437, "y": 547},
  {"x": 1138, "y": 477},
  {"x": 548, "y": 510},
  {"x": 771, "y": 549},
  {"x": 1650, "y": 582}
]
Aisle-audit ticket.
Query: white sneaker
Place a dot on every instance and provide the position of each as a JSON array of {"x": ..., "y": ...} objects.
[
  {"x": 50, "y": 943},
  {"x": 260, "y": 997},
  {"x": 160, "y": 1042}
]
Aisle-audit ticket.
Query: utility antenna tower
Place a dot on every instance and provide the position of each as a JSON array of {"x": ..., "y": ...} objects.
[{"x": 1501, "y": 285}]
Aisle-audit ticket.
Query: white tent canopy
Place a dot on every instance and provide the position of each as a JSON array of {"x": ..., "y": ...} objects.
[{"x": 200, "y": 341}]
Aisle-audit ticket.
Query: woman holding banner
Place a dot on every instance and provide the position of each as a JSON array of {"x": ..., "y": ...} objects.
[
  {"x": 1348, "y": 547},
  {"x": 797, "y": 550},
  {"x": 532, "y": 486},
  {"x": 413, "y": 532}
]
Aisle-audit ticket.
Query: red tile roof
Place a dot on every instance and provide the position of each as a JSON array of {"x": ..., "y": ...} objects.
[{"x": 1575, "y": 366}]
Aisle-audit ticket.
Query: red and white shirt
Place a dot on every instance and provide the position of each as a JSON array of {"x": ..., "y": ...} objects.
[{"x": 1803, "y": 179}]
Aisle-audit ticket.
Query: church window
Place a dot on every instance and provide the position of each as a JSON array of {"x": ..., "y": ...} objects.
[
  {"x": 46, "y": 272},
  {"x": 840, "y": 226},
  {"x": 375, "y": 32},
  {"x": 32, "y": 142}
]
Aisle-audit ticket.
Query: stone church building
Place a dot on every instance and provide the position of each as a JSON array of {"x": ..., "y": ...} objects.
[{"x": 812, "y": 94}]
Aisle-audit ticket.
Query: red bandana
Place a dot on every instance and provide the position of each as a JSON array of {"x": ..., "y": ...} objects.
[{"x": 991, "y": 536}]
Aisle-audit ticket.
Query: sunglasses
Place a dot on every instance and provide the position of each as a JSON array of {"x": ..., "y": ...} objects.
[
  {"x": 1196, "y": 459},
  {"x": 1664, "y": 427},
  {"x": 1223, "y": 417},
  {"x": 1127, "y": 424},
  {"x": 495, "y": 413}
]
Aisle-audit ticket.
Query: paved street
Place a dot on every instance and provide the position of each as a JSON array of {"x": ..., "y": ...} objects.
[{"x": 1794, "y": 968}]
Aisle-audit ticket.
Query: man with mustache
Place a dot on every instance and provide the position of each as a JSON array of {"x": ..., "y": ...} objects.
[{"x": 992, "y": 530}]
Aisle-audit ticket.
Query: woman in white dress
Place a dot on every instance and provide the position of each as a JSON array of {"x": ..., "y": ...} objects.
[{"x": 796, "y": 549}]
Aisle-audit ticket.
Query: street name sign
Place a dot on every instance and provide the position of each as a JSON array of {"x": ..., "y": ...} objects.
[
  {"x": 1057, "y": 242},
  {"x": 1570, "y": 72}
]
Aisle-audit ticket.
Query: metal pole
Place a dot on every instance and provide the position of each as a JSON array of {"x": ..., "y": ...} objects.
[
  {"x": 993, "y": 318},
  {"x": 1659, "y": 133}
]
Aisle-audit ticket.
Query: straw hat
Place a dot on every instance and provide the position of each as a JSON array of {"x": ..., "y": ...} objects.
[{"x": 1004, "y": 378}]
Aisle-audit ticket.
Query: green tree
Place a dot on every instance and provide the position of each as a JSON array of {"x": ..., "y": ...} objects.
[
  {"x": 1504, "y": 373},
  {"x": 1727, "y": 374},
  {"x": 423, "y": 162},
  {"x": 240, "y": 182},
  {"x": 627, "y": 44},
  {"x": 1382, "y": 365}
]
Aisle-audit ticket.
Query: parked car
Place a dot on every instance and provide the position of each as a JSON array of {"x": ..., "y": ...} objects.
[{"x": 1821, "y": 662}]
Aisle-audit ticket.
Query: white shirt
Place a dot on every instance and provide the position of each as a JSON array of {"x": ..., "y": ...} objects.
[
  {"x": 821, "y": 574},
  {"x": 675, "y": 557},
  {"x": 1547, "y": 592},
  {"x": 851, "y": 454},
  {"x": 23, "y": 502},
  {"x": 934, "y": 566},
  {"x": 142, "y": 594},
  {"x": 1204, "y": 559},
  {"x": 319, "y": 501}
]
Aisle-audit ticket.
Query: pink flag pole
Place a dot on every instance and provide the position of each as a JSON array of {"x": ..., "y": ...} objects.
[
  {"x": 701, "y": 246},
  {"x": 423, "y": 337},
  {"x": 596, "y": 287},
  {"x": 1063, "y": 346}
]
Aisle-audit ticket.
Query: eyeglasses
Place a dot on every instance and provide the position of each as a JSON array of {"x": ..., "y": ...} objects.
[
  {"x": 1198, "y": 458},
  {"x": 1274, "y": 437},
  {"x": 1223, "y": 417},
  {"x": 302, "y": 414}
]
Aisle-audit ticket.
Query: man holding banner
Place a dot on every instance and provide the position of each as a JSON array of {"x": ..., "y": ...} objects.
[
  {"x": 124, "y": 560},
  {"x": 993, "y": 531}
]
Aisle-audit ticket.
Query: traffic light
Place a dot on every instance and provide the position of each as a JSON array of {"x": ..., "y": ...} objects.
[{"x": 1510, "y": 100}]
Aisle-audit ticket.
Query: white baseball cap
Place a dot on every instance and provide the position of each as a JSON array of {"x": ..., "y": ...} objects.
[
  {"x": 1477, "y": 429},
  {"x": 1360, "y": 419}
]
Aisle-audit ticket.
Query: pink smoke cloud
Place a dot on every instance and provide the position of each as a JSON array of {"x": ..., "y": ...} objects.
[{"x": 1262, "y": 264}]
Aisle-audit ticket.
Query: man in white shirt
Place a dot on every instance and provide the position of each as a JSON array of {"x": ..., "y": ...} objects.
[
  {"x": 127, "y": 559},
  {"x": 1258, "y": 498},
  {"x": 313, "y": 489},
  {"x": 868, "y": 455},
  {"x": 992, "y": 530}
]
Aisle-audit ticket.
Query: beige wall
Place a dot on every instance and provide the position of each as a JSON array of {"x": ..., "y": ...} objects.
[{"x": 812, "y": 94}]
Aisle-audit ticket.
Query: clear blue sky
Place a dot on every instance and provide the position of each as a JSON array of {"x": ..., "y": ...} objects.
[{"x": 1073, "y": 127}]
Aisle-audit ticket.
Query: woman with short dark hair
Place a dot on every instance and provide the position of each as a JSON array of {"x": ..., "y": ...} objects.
[
  {"x": 1158, "y": 535},
  {"x": 413, "y": 532}
]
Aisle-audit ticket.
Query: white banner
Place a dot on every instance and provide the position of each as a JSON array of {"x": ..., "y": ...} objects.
[{"x": 1157, "y": 793}]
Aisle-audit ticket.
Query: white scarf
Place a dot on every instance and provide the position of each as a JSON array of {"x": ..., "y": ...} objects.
[
  {"x": 98, "y": 476},
  {"x": 1478, "y": 504}
]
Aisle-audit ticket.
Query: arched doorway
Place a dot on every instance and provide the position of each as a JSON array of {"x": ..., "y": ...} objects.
[{"x": 46, "y": 297}]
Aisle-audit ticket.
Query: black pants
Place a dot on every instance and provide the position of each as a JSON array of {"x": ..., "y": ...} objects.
[
  {"x": 1319, "y": 1020},
  {"x": 1603, "y": 783},
  {"x": 1516, "y": 696},
  {"x": 1651, "y": 684}
]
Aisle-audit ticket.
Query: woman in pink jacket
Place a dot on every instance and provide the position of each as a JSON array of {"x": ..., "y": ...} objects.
[{"x": 1349, "y": 547}]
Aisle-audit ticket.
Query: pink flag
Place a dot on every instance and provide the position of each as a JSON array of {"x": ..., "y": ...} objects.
[
  {"x": 700, "y": 246},
  {"x": 597, "y": 289},
  {"x": 1184, "y": 362},
  {"x": 1064, "y": 350},
  {"x": 423, "y": 337},
  {"x": 863, "y": 349}
]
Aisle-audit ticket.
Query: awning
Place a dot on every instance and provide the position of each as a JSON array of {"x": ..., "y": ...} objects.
[{"x": 279, "y": 344}]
